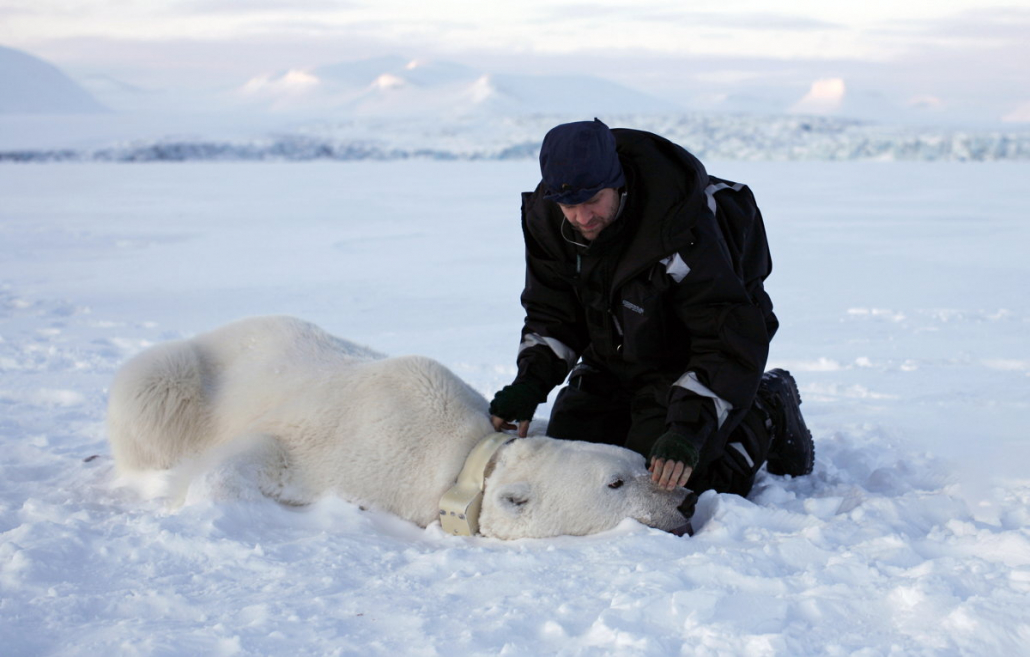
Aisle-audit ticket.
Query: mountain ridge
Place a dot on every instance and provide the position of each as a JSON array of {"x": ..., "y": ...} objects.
[{"x": 34, "y": 86}]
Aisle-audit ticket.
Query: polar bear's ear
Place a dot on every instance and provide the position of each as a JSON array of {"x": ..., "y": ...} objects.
[{"x": 513, "y": 497}]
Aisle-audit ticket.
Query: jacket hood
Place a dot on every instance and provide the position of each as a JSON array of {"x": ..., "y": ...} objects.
[{"x": 665, "y": 186}]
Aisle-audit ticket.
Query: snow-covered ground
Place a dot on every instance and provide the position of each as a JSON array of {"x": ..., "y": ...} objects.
[{"x": 902, "y": 293}]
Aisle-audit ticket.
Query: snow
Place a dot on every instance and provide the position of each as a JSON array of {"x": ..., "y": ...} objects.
[{"x": 901, "y": 291}]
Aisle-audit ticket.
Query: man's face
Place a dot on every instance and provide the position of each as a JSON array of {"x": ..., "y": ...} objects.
[{"x": 594, "y": 215}]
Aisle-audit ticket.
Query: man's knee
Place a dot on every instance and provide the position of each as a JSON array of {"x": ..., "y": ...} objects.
[{"x": 744, "y": 452}]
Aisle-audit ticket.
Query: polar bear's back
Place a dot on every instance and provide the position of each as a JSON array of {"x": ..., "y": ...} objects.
[
  {"x": 391, "y": 433},
  {"x": 288, "y": 341},
  {"x": 181, "y": 397}
]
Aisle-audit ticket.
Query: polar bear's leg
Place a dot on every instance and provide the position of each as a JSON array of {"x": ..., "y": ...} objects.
[
  {"x": 159, "y": 407},
  {"x": 249, "y": 467}
]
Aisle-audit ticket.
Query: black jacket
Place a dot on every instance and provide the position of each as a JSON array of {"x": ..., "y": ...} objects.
[{"x": 625, "y": 303}]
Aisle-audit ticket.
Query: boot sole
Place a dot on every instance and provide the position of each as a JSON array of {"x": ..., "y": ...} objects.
[{"x": 774, "y": 464}]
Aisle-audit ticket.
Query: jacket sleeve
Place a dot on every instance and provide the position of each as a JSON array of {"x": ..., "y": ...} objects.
[
  {"x": 729, "y": 341},
  {"x": 554, "y": 334}
]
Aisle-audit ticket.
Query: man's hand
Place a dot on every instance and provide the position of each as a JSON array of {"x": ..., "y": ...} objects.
[
  {"x": 501, "y": 424},
  {"x": 516, "y": 403},
  {"x": 670, "y": 474},
  {"x": 672, "y": 460}
]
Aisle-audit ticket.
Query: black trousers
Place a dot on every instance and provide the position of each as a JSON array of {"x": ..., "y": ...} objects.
[{"x": 596, "y": 407}]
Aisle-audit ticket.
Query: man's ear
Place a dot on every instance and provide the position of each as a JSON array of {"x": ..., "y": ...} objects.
[{"x": 513, "y": 498}]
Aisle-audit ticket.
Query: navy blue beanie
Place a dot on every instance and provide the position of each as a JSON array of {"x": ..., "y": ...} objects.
[{"x": 577, "y": 160}]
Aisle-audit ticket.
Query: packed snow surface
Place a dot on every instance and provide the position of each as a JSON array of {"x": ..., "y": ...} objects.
[{"x": 902, "y": 294}]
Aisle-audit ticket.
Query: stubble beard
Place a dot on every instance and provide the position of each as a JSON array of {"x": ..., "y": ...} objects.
[{"x": 609, "y": 216}]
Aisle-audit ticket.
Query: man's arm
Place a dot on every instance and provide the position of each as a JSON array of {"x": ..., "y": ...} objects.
[
  {"x": 553, "y": 335},
  {"x": 729, "y": 343}
]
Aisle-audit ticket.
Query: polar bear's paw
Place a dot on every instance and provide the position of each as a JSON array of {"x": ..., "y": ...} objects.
[{"x": 249, "y": 468}]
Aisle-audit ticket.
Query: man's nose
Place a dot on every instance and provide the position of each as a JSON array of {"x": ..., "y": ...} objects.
[{"x": 579, "y": 216}]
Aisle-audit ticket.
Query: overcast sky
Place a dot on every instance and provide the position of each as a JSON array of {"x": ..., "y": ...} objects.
[{"x": 946, "y": 55}]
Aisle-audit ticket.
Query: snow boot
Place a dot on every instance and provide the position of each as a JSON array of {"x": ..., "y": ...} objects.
[{"x": 791, "y": 451}]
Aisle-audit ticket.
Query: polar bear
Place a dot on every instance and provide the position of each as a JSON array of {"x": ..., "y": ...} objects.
[{"x": 323, "y": 415}]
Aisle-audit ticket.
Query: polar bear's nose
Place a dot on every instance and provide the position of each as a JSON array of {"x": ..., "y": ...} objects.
[
  {"x": 688, "y": 504},
  {"x": 683, "y": 530},
  {"x": 686, "y": 508}
]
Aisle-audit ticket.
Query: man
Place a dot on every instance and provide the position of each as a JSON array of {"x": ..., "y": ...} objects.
[{"x": 644, "y": 285}]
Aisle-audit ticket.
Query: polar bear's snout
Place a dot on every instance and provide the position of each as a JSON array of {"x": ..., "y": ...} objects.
[
  {"x": 670, "y": 511},
  {"x": 686, "y": 509},
  {"x": 547, "y": 487}
]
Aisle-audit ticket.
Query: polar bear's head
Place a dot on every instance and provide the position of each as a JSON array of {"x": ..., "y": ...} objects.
[{"x": 542, "y": 487}]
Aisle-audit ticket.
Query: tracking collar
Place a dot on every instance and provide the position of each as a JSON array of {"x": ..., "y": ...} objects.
[{"x": 460, "y": 506}]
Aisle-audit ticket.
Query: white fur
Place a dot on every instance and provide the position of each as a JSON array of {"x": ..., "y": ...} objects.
[{"x": 305, "y": 413}]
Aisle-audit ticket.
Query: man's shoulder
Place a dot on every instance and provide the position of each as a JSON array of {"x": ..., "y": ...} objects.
[
  {"x": 541, "y": 218},
  {"x": 533, "y": 195},
  {"x": 656, "y": 154},
  {"x": 632, "y": 139},
  {"x": 632, "y": 135},
  {"x": 664, "y": 171},
  {"x": 534, "y": 203}
]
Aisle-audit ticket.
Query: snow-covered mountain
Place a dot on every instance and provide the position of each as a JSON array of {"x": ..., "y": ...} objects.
[
  {"x": 837, "y": 97},
  {"x": 395, "y": 108},
  {"x": 30, "y": 85},
  {"x": 394, "y": 86}
]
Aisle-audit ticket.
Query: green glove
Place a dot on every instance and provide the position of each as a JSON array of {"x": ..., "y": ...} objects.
[
  {"x": 517, "y": 402},
  {"x": 673, "y": 446}
]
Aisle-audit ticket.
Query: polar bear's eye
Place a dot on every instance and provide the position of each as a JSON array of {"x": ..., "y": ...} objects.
[{"x": 616, "y": 484}]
